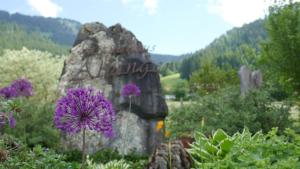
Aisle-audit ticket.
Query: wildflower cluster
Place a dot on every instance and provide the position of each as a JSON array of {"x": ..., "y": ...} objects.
[
  {"x": 19, "y": 88},
  {"x": 84, "y": 108},
  {"x": 130, "y": 89},
  {"x": 81, "y": 109}
]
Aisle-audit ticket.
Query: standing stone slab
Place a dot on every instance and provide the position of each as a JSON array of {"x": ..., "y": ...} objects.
[
  {"x": 108, "y": 58},
  {"x": 249, "y": 79}
]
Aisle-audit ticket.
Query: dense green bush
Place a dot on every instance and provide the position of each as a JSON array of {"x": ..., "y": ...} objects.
[
  {"x": 34, "y": 125},
  {"x": 20, "y": 156},
  {"x": 107, "y": 155},
  {"x": 181, "y": 89},
  {"x": 244, "y": 150},
  {"x": 226, "y": 109},
  {"x": 211, "y": 78}
]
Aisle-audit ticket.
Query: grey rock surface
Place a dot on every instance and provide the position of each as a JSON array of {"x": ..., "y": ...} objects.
[
  {"x": 108, "y": 58},
  {"x": 249, "y": 79}
]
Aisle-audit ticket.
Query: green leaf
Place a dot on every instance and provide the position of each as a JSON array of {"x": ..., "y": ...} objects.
[
  {"x": 211, "y": 148},
  {"x": 226, "y": 145},
  {"x": 218, "y": 136}
]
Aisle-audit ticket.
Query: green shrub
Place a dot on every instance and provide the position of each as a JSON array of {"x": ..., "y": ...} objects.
[
  {"x": 244, "y": 150},
  {"x": 117, "y": 164},
  {"x": 20, "y": 156},
  {"x": 226, "y": 109},
  {"x": 34, "y": 125},
  {"x": 72, "y": 155},
  {"x": 121, "y": 164},
  {"x": 107, "y": 155}
]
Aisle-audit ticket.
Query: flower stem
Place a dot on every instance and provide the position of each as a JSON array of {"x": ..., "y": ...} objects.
[
  {"x": 83, "y": 149},
  {"x": 130, "y": 104},
  {"x": 125, "y": 134},
  {"x": 170, "y": 154}
]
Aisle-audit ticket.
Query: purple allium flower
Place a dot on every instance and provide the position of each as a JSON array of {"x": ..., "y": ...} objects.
[
  {"x": 23, "y": 87},
  {"x": 84, "y": 108},
  {"x": 8, "y": 92},
  {"x": 130, "y": 89},
  {"x": 12, "y": 121}
]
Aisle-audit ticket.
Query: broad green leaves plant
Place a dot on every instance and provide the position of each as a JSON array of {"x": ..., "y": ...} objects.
[
  {"x": 245, "y": 150},
  {"x": 121, "y": 164},
  {"x": 205, "y": 149}
]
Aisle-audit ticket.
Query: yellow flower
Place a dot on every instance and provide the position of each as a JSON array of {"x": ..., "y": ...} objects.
[
  {"x": 159, "y": 125},
  {"x": 167, "y": 134}
]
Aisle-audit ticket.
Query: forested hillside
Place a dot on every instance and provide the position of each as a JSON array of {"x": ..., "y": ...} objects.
[
  {"x": 160, "y": 59},
  {"x": 53, "y": 35},
  {"x": 14, "y": 36},
  {"x": 238, "y": 46},
  {"x": 61, "y": 31}
]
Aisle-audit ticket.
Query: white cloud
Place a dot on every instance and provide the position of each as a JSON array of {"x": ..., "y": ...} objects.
[
  {"x": 125, "y": 2},
  {"x": 239, "y": 12},
  {"x": 46, "y": 8},
  {"x": 151, "y": 6}
]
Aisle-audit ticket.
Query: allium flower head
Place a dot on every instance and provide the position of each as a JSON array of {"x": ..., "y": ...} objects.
[
  {"x": 130, "y": 90},
  {"x": 12, "y": 121},
  {"x": 84, "y": 108},
  {"x": 8, "y": 92},
  {"x": 20, "y": 87},
  {"x": 23, "y": 87}
]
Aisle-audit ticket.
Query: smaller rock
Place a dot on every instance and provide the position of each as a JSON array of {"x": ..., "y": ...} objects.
[
  {"x": 249, "y": 79},
  {"x": 3, "y": 155},
  {"x": 170, "y": 155}
]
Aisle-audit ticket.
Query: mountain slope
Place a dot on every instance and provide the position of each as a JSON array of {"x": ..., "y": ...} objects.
[
  {"x": 60, "y": 31},
  {"x": 160, "y": 58},
  {"x": 12, "y": 36},
  {"x": 238, "y": 46}
]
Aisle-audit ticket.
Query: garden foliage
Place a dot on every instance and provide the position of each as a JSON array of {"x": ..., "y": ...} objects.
[
  {"x": 226, "y": 109},
  {"x": 246, "y": 150}
]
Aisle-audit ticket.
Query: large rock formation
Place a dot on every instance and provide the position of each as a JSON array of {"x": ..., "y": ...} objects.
[{"x": 108, "y": 58}]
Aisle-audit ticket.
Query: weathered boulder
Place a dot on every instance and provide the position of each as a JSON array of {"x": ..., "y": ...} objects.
[
  {"x": 170, "y": 155},
  {"x": 108, "y": 58},
  {"x": 249, "y": 79}
]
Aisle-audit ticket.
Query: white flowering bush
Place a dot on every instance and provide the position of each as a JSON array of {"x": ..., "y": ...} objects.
[{"x": 41, "y": 68}]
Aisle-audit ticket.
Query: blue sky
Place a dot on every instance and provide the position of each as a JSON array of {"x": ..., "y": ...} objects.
[{"x": 171, "y": 26}]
